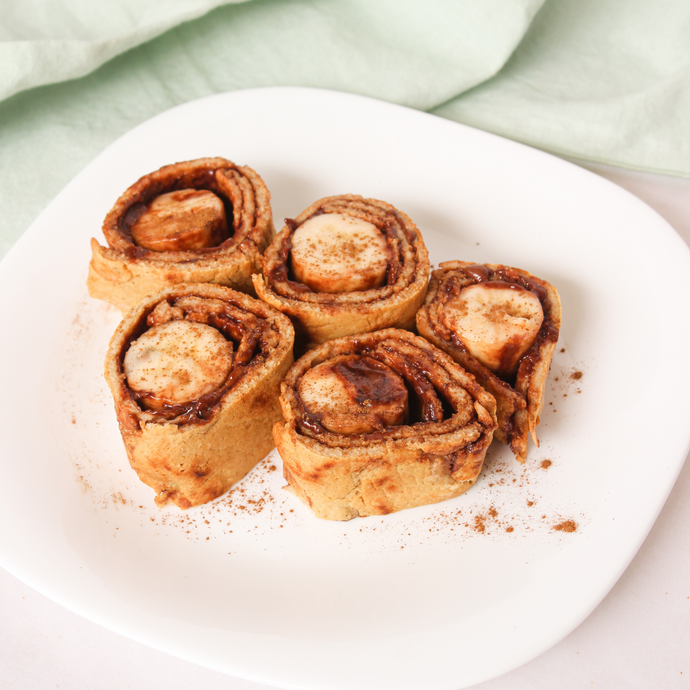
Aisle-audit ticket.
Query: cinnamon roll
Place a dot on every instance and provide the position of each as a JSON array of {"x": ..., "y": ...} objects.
[
  {"x": 380, "y": 422},
  {"x": 345, "y": 265},
  {"x": 502, "y": 325},
  {"x": 195, "y": 372},
  {"x": 202, "y": 221}
]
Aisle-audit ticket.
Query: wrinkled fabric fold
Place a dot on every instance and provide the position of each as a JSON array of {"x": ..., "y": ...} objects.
[
  {"x": 45, "y": 44},
  {"x": 606, "y": 81}
]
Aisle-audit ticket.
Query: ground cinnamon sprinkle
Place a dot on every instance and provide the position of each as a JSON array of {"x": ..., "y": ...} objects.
[
  {"x": 479, "y": 523},
  {"x": 566, "y": 526},
  {"x": 576, "y": 375},
  {"x": 545, "y": 464}
]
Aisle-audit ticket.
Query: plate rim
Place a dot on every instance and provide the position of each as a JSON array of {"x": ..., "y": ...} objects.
[{"x": 27, "y": 237}]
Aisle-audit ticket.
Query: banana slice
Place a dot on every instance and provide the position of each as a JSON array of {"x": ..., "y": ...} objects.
[
  {"x": 177, "y": 362},
  {"x": 181, "y": 220},
  {"x": 354, "y": 394},
  {"x": 336, "y": 253},
  {"x": 496, "y": 321}
]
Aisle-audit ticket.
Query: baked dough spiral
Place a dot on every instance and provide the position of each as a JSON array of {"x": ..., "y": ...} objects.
[
  {"x": 195, "y": 373},
  {"x": 380, "y": 277},
  {"x": 380, "y": 422},
  {"x": 201, "y": 221},
  {"x": 502, "y": 325}
]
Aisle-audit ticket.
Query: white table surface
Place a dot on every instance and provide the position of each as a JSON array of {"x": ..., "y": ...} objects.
[{"x": 638, "y": 637}]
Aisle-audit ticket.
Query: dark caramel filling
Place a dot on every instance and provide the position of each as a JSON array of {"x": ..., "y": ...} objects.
[
  {"x": 354, "y": 394},
  {"x": 367, "y": 379}
]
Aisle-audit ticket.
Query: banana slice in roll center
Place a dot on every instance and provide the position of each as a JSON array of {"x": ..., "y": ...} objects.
[
  {"x": 186, "y": 219},
  {"x": 496, "y": 321},
  {"x": 354, "y": 394},
  {"x": 177, "y": 362},
  {"x": 336, "y": 253}
]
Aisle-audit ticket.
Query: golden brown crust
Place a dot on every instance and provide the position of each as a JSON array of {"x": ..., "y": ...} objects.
[
  {"x": 438, "y": 454},
  {"x": 319, "y": 317},
  {"x": 123, "y": 273},
  {"x": 519, "y": 401},
  {"x": 192, "y": 453}
]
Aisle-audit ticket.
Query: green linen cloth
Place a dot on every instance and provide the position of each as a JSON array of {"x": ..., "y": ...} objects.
[{"x": 605, "y": 80}]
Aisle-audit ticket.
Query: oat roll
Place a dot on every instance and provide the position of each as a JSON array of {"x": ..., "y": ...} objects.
[
  {"x": 501, "y": 324},
  {"x": 201, "y": 221},
  {"x": 345, "y": 265},
  {"x": 380, "y": 422},
  {"x": 195, "y": 373}
]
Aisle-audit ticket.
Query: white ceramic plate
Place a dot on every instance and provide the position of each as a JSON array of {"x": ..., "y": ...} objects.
[{"x": 442, "y": 596}]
